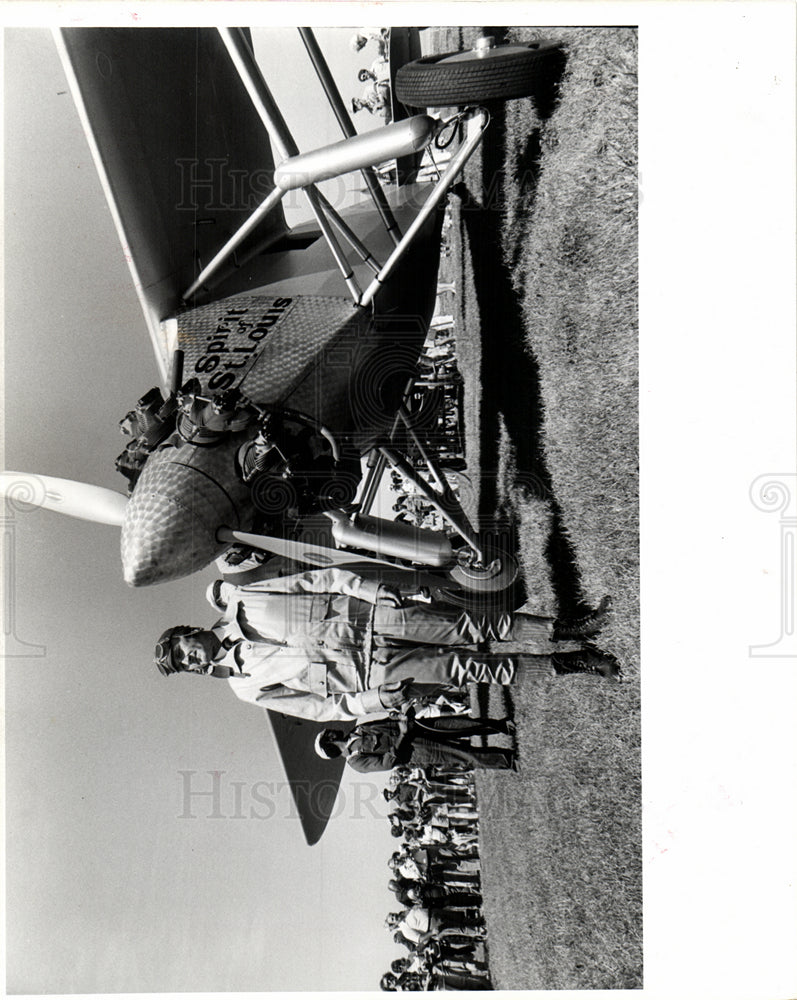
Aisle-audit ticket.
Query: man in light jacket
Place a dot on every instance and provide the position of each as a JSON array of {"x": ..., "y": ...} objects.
[{"x": 328, "y": 644}]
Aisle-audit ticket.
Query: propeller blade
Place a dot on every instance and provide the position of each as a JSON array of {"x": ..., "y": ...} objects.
[
  {"x": 316, "y": 555},
  {"x": 65, "y": 496}
]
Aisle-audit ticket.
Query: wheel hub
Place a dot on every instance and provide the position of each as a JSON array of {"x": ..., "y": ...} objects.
[
  {"x": 487, "y": 51},
  {"x": 483, "y": 45},
  {"x": 494, "y": 572},
  {"x": 484, "y": 569}
]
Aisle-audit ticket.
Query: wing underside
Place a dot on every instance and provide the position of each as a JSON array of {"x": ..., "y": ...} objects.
[
  {"x": 314, "y": 782},
  {"x": 180, "y": 150}
]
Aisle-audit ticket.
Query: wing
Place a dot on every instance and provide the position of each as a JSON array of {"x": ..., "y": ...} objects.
[
  {"x": 314, "y": 782},
  {"x": 184, "y": 160},
  {"x": 181, "y": 153}
]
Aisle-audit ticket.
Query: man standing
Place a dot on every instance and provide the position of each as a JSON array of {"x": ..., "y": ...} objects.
[
  {"x": 440, "y": 742},
  {"x": 374, "y": 99},
  {"x": 327, "y": 644},
  {"x": 362, "y": 36}
]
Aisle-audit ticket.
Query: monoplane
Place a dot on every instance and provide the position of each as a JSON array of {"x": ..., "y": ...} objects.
[{"x": 287, "y": 356}]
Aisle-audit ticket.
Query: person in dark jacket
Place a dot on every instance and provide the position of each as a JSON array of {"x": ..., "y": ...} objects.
[{"x": 441, "y": 741}]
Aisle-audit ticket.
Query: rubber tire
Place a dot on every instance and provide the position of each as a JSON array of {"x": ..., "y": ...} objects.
[
  {"x": 430, "y": 82},
  {"x": 509, "y": 600}
]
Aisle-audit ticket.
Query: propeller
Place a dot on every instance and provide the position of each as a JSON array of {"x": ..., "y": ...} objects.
[
  {"x": 65, "y": 496},
  {"x": 104, "y": 506},
  {"x": 316, "y": 555},
  {"x": 96, "y": 503}
]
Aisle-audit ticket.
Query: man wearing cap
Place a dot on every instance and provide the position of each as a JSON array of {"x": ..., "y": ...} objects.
[
  {"x": 328, "y": 644},
  {"x": 375, "y": 98},
  {"x": 385, "y": 743},
  {"x": 363, "y": 36}
]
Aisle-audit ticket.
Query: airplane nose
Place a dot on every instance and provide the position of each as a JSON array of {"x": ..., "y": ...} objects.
[{"x": 180, "y": 500}]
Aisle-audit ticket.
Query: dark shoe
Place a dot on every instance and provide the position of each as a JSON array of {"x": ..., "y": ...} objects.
[
  {"x": 509, "y": 729},
  {"x": 504, "y": 726},
  {"x": 582, "y": 628},
  {"x": 588, "y": 661}
]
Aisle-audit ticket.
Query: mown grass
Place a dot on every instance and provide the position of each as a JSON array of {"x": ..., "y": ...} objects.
[{"x": 544, "y": 252}]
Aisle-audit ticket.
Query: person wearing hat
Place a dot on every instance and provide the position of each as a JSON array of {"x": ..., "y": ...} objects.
[
  {"x": 363, "y": 36},
  {"x": 420, "y": 924},
  {"x": 328, "y": 645},
  {"x": 437, "y": 864},
  {"x": 375, "y": 99},
  {"x": 441, "y": 741}
]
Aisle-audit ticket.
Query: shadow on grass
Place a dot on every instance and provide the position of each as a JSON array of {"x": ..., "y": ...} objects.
[{"x": 510, "y": 376}]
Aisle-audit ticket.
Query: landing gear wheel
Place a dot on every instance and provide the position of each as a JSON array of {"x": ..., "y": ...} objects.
[
  {"x": 494, "y": 574},
  {"x": 483, "y": 603},
  {"x": 458, "y": 78}
]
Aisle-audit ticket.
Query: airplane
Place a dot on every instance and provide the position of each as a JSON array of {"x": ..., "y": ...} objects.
[{"x": 284, "y": 373}]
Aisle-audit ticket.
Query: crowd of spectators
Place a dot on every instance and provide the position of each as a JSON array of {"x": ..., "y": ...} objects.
[
  {"x": 375, "y": 97},
  {"x": 435, "y": 878}
]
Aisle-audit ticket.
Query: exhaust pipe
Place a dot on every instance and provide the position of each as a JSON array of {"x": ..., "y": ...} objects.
[
  {"x": 364, "y": 150},
  {"x": 392, "y": 538}
]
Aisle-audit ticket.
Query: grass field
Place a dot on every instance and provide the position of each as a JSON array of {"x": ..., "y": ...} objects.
[{"x": 544, "y": 256}]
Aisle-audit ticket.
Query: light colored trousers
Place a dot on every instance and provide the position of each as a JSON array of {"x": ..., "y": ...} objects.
[{"x": 440, "y": 646}]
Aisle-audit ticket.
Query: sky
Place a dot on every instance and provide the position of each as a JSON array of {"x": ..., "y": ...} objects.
[
  {"x": 294, "y": 85},
  {"x": 108, "y": 887},
  {"x": 112, "y": 886}
]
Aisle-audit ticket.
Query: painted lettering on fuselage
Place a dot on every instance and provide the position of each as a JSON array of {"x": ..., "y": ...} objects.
[{"x": 232, "y": 348}]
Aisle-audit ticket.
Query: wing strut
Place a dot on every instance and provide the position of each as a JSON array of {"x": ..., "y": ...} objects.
[
  {"x": 348, "y": 129},
  {"x": 245, "y": 65},
  {"x": 476, "y": 120}
]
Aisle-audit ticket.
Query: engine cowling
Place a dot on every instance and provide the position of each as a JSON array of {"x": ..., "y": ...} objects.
[{"x": 182, "y": 497}]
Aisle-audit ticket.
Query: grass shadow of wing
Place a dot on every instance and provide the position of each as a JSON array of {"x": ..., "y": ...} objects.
[{"x": 510, "y": 374}]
